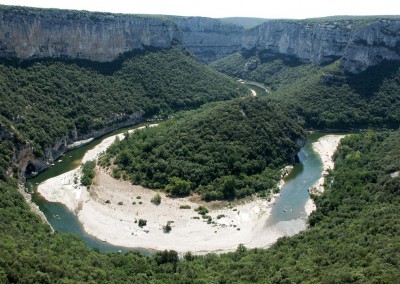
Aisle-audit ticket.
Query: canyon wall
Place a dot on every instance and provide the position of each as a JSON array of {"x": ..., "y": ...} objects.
[
  {"x": 38, "y": 33},
  {"x": 35, "y": 33},
  {"x": 359, "y": 44}
]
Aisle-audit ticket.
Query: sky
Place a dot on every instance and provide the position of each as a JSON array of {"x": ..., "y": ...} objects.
[{"x": 295, "y": 9}]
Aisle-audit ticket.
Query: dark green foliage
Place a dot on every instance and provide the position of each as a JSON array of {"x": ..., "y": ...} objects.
[
  {"x": 354, "y": 237},
  {"x": 46, "y": 100},
  {"x": 325, "y": 97},
  {"x": 167, "y": 228},
  {"x": 88, "y": 173},
  {"x": 202, "y": 210},
  {"x": 178, "y": 187},
  {"x": 142, "y": 223},
  {"x": 222, "y": 151}
]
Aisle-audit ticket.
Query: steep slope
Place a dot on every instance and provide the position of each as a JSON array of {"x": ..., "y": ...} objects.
[
  {"x": 354, "y": 238},
  {"x": 40, "y": 33},
  {"x": 360, "y": 43},
  {"x": 53, "y": 103},
  {"x": 209, "y": 39},
  {"x": 325, "y": 97},
  {"x": 222, "y": 151}
]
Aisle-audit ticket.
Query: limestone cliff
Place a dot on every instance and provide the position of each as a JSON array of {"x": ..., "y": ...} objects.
[
  {"x": 209, "y": 39},
  {"x": 36, "y": 33},
  {"x": 359, "y": 44}
]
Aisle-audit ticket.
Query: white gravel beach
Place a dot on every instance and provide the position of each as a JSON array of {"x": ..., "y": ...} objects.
[
  {"x": 325, "y": 147},
  {"x": 111, "y": 209}
]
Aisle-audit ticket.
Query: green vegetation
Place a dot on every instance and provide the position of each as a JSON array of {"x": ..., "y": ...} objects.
[
  {"x": 325, "y": 97},
  {"x": 202, "y": 210},
  {"x": 222, "y": 151},
  {"x": 178, "y": 187},
  {"x": 46, "y": 100},
  {"x": 184, "y": 207},
  {"x": 142, "y": 223},
  {"x": 354, "y": 237},
  {"x": 167, "y": 228},
  {"x": 88, "y": 173},
  {"x": 156, "y": 199}
]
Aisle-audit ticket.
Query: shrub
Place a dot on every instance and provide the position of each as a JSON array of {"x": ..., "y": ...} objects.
[
  {"x": 184, "y": 207},
  {"x": 167, "y": 228},
  {"x": 202, "y": 210},
  {"x": 88, "y": 173},
  {"x": 156, "y": 199},
  {"x": 142, "y": 223}
]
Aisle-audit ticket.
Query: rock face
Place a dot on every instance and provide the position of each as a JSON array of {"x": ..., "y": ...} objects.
[
  {"x": 209, "y": 39},
  {"x": 372, "y": 44},
  {"x": 36, "y": 33},
  {"x": 322, "y": 43},
  {"x": 318, "y": 44}
]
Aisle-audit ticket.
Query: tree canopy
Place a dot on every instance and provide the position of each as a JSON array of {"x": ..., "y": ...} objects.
[
  {"x": 45, "y": 100},
  {"x": 324, "y": 97},
  {"x": 221, "y": 151}
]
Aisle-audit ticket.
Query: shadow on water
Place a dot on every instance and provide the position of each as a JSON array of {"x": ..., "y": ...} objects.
[{"x": 58, "y": 215}]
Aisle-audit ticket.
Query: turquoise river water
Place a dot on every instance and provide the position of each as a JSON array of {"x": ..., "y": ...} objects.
[{"x": 287, "y": 214}]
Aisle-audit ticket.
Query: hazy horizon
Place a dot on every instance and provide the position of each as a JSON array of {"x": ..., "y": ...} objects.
[{"x": 284, "y": 9}]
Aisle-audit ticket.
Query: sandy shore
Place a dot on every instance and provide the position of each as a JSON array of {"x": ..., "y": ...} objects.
[
  {"x": 325, "y": 147},
  {"x": 112, "y": 215},
  {"x": 110, "y": 210}
]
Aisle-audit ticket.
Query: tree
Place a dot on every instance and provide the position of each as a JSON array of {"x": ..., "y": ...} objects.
[{"x": 178, "y": 187}]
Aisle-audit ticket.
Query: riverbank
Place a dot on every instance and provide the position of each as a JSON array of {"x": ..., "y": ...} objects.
[
  {"x": 325, "y": 147},
  {"x": 111, "y": 211}
]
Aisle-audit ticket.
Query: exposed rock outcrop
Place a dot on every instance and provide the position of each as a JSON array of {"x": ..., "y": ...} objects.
[
  {"x": 29, "y": 165},
  {"x": 209, "y": 39},
  {"x": 37, "y": 33},
  {"x": 360, "y": 45}
]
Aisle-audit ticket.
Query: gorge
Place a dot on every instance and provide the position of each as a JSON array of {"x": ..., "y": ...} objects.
[{"x": 67, "y": 77}]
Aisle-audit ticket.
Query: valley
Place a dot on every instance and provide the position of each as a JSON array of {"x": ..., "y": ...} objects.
[{"x": 200, "y": 197}]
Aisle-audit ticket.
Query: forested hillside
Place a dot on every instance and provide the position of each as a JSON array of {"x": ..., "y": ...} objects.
[
  {"x": 222, "y": 151},
  {"x": 325, "y": 97},
  {"x": 218, "y": 150},
  {"x": 354, "y": 237},
  {"x": 45, "y": 100}
]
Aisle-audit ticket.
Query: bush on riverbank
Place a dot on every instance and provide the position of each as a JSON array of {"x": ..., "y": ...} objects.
[{"x": 88, "y": 173}]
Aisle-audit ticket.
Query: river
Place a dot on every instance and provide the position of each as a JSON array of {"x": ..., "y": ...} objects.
[{"x": 288, "y": 207}]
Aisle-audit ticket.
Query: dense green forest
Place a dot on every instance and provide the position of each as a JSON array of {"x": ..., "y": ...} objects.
[
  {"x": 324, "y": 97},
  {"x": 221, "y": 151},
  {"x": 45, "y": 100},
  {"x": 354, "y": 237}
]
